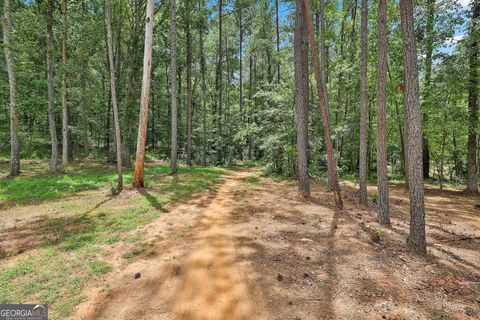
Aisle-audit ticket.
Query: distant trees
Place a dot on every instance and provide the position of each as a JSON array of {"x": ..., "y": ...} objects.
[
  {"x": 145, "y": 96},
  {"x": 12, "y": 81}
]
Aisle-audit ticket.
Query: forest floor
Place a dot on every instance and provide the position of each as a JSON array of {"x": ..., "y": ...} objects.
[{"x": 250, "y": 248}]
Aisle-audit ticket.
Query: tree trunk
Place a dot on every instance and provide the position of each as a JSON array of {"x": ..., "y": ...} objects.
[
  {"x": 323, "y": 104},
  {"x": 143, "y": 117},
  {"x": 323, "y": 67},
  {"x": 65, "y": 130},
  {"x": 12, "y": 81},
  {"x": 204, "y": 96},
  {"x": 472, "y": 179},
  {"x": 51, "y": 88},
  {"x": 416, "y": 239},
  {"x": 113, "y": 94},
  {"x": 189, "y": 85},
  {"x": 383, "y": 214},
  {"x": 220, "y": 85},
  {"x": 173, "y": 91},
  {"x": 302, "y": 99},
  {"x": 363, "y": 104},
  {"x": 240, "y": 57},
  {"x": 430, "y": 20},
  {"x": 277, "y": 29}
]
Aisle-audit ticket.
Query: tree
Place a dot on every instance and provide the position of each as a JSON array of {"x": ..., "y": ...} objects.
[
  {"x": 363, "y": 104},
  {"x": 323, "y": 104},
  {"x": 12, "y": 81},
  {"x": 416, "y": 238},
  {"x": 472, "y": 171},
  {"x": 173, "y": 91},
  {"x": 113, "y": 92},
  {"x": 51, "y": 88},
  {"x": 189, "y": 82},
  {"x": 143, "y": 117},
  {"x": 65, "y": 115},
  {"x": 382, "y": 161},
  {"x": 301, "y": 97}
]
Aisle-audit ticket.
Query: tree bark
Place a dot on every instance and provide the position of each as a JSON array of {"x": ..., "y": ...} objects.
[
  {"x": 220, "y": 84},
  {"x": 323, "y": 104},
  {"x": 277, "y": 28},
  {"x": 204, "y": 96},
  {"x": 12, "y": 81},
  {"x": 189, "y": 84},
  {"x": 363, "y": 104},
  {"x": 143, "y": 117},
  {"x": 65, "y": 130},
  {"x": 472, "y": 171},
  {"x": 323, "y": 67},
  {"x": 173, "y": 91},
  {"x": 416, "y": 239},
  {"x": 302, "y": 99},
  {"x": 51, "y": 88},
  {"x": 383, "y": 215},
  {"x": 113, "y": 94}
]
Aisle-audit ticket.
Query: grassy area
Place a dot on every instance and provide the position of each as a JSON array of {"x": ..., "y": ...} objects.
[
  {"x": 34, "y": 189},
  {"x": 55, "y": 270}
]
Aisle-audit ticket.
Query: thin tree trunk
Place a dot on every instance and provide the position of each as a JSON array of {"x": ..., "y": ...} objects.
[
  {"x": 430, "y": 20},
  {"x": 323, "y": 104},
  {"x": 65, "y": 133},
  {"x": 416, "y": 238},
  {"x": 472, "y": 171},
  {"x": 51, "y": 88},
  {"x": 113, "y": 94},
  {"x": 204, "y": 96},
  {"x": 323, "y": 67},
  {"x": 12, "y": 81},
  {"x": 143, "y": 117},
  {"x": 302, "y": 99},
  {"x": 277, "y": 27},
  {"x": 363, "y": 104},
  {"x": 383, "y": 215},
  {"x": 189, "y": 85},
  {"x": 173, "y": 91},
  {"x": 220, "y": 84},
  {"x": 240, "y": 57}
]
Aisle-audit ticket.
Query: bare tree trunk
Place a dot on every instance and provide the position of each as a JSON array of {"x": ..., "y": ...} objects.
[
  {"x": 323, "y": 67},
  {"x": 416, "y": 238},
  {"x": 173, "y": 91},
  {"x": 323, "y": 104},
  {"x": 143, "y": 117},
  {"x": 220, "y": 84},
  {"x": 51, "y": 88},
  {"x": 12, "y": 81},
  {"x": 204, "y": 96},
  {"x": 240, "y": 57},
  {"x": 113, "y": 91},
  {"x": 383, "y": 215},
  {"x": 189, "y": 84},
  {"x": 302, "y": 99},
  {"x": 65, "y": 133},
  {"x": 472, "y": 171},
  {"x": 277, "y": 27},
  {"x": 363, "y": 104}
]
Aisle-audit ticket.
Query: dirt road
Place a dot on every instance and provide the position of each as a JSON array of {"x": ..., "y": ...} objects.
[{"x": 256, "y": 250}]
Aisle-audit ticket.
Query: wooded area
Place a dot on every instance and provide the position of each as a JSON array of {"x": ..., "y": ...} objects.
[{"x": 379, "y": 94}]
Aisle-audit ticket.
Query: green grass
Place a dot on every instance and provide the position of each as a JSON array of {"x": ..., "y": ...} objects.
[
  {"x": 55, "y": 270},
  {"x": 28, "y": 189}
]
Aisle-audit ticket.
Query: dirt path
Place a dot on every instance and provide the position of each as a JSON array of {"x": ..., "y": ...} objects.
[
  {"x": 256, "y": 250},
  {"x": 199, "y": 276}
]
